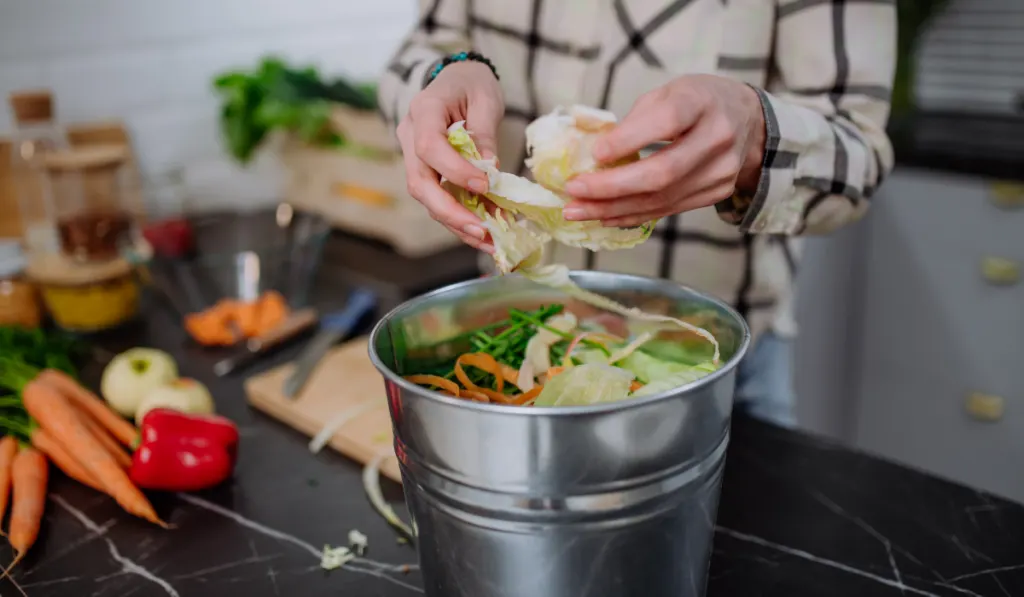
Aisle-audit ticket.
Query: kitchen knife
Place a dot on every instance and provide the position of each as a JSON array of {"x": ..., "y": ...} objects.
[
  {"x": 295, "y": 324},
  {"x": 333, "y": 328}
]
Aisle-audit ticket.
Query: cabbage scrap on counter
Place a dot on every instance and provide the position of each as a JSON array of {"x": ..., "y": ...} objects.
[{"x": 547, "y": 357}]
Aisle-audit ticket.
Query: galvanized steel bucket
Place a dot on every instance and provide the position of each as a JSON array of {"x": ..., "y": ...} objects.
[{"x": 611, "y": 500}]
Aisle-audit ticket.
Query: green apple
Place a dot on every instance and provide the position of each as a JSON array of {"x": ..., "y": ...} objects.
[
  {"x": 131, "y": 375},
  {"x": 185, "y": 395}
]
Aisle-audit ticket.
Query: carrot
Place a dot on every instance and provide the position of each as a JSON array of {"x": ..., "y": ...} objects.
[
  {"x": 53, "y": 411},
  {"x": 247, "y": 316},
  {"x": 272, "y": 310},
  {"x": 8, "y": 450},
  {"x": 62, "y": 459},
  {"x": 106, "y": 439},
  {"x": 92, "y": 404},
  {"x": 28, "y": 476},
  {"x": 437, "y": 381}
]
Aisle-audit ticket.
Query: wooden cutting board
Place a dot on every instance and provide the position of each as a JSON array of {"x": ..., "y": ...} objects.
[{"x": 343, "y": 383}]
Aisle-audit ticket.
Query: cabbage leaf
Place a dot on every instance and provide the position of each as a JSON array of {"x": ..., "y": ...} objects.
[{"x": 592, "y": 383}]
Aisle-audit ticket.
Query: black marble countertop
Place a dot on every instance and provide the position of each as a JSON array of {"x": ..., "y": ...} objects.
[{"x": 799, "y": 516}]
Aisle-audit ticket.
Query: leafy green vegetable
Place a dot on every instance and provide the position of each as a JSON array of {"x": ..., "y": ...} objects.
[
  {"x": 275, "y": 96},
  {"x": 688, "y": 352},
  {"x": 40, "y": 348},
  {"x": 650, "y": 369},
  {"x": 675, "y": 380},
  {"x": 541, "y": 206},
  {"x": 583, "y": 385}
]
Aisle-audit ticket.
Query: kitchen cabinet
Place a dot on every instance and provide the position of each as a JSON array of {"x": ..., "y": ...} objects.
[{"x": 940, "y": 357}]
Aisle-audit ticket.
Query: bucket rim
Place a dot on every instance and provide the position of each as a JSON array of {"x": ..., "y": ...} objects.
[{"x": 727, "y": 368}]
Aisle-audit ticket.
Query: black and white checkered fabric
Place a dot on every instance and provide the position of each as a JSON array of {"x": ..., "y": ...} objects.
[{"x": 825, "y": 69}]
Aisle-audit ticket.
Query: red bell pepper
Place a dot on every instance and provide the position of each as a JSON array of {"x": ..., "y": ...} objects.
[{"x": 182, "y": 452}]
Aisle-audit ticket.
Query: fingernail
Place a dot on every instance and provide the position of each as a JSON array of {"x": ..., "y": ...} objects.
[
  {"x": 601, "y": 150},
  {"x": 478, "y": 185},
  {"x": 474, "y": 231},
  {"x": 489, "y": 249},
  {"x": 574, "y": 213},
  {"x": 575, "y": 187}
]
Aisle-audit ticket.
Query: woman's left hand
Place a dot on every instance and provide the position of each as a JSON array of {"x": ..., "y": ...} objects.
[{"x": 716, "y": 131}]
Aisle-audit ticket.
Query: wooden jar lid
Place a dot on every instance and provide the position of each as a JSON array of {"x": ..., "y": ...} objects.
[
  {"x": 60, "y": 270},
  {"x": 31, "y": 107},
  {"x": 93, "y": 157}
]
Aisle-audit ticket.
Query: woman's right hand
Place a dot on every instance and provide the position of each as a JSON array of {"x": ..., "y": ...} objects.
[{"x": 461, "y": 91}]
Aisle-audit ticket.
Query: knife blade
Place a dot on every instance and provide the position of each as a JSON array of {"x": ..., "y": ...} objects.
[
  {"x": 333, "y": 328},
  {"x": 295, "y": 324}
]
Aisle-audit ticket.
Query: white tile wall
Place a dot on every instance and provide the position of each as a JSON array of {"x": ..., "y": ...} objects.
[{"x": 151, "y": 63}]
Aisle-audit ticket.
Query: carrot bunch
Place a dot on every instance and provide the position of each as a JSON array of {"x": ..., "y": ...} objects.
[{"x": 56, "y": 420}]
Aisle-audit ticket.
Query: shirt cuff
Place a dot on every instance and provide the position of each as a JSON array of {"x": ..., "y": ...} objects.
[{"x": 769, "y": 205}]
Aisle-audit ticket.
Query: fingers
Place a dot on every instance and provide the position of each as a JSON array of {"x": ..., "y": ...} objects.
[
  {"x": 656, "y": 116},
  {"x": 651, "y": 174},
  {"x": 696, "y": 201},
  {"x": 424, "y": 186},
  {"x": 482, "y": 118},
  {"x": 430, "y": 143},
  {"x": 581, "y": 210}
]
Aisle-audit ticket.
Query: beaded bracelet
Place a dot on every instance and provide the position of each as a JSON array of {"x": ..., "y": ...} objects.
[{"x": 459, "y": 57}]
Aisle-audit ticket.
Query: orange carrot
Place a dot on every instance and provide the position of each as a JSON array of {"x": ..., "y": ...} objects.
[
  {"x": 437, "y": 381},
  {"x": 8, "y": 450},
  {"x": 28, "y": 477},
  {"x": 106, "y": 439},
  {"x": 92, "y": 404},
  {"x": 62, "y": 459},
  {"x": 52, "y": 410}
]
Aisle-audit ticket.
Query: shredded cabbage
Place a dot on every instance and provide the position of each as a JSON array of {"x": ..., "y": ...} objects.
[
  {"x": 591, "y": 383},
  {"x": 540, "y": 205},
  {"x": 674, "y": 380},
  {"x": 649, "y": 369}
]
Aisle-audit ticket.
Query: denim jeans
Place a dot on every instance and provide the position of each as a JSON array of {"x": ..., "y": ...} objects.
[{"x": 764, "y": 381}]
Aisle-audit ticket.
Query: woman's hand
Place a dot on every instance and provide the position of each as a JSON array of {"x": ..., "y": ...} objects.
[
  {"x": 717, "y": 133},
  {"x": 462, "y": 91}
]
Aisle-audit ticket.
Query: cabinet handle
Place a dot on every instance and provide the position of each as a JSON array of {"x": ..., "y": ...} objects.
[
  {"x": 1000, "y": 271},
  {"x": 1007, "y": 195},
  {"x": 985, "y": 407}
]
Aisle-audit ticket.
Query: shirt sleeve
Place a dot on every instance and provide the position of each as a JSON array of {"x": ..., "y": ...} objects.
[
  {"x": 825, "y": 111},
  {"x": 441, "y": 29}
]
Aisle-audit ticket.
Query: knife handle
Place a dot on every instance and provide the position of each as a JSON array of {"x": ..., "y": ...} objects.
[{"x": 296, "y": 323}]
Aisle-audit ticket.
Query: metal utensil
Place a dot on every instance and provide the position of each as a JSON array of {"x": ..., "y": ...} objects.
[
  {"x": 295, "y": 324},
  {"x": 333, "y": 328}
]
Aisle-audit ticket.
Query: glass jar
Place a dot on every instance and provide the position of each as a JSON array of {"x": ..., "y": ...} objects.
[
  {"x": 86, "y": 186},
  {"x": 86, "y": 297},
  {"x": 35, "y": 134},
  {"x": 19, "y": 301}
]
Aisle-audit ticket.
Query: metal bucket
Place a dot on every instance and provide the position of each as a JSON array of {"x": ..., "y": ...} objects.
[{"x": 599, "y": 501}]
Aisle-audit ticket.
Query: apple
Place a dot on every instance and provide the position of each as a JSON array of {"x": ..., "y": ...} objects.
[
  {"x": 186, "y": 395},
  {"x": 131, "y": 375}
]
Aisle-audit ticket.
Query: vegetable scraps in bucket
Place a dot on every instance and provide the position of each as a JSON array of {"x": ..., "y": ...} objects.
[
  {"x": 549, "y": 357},
  {"x": 594, "y": 367}
]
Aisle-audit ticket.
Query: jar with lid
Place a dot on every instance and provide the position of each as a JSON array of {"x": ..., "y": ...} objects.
[
  {"x": 35, "y": 134},
  {"x": 87, "y": 189},
  {"x": 19, "y": 301},
  {"x": 86, "y": 297}
]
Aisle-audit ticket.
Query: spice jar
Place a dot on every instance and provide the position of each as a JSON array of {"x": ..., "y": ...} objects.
[
  {"x": 86, "y": 297},
  {"x": 35, "y": 134},
  {"x": 87, "y": 189},
  {"x": 19, "y": 301}
]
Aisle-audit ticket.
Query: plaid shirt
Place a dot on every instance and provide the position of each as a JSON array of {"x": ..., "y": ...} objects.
[{"x": 823, "y": 69}]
